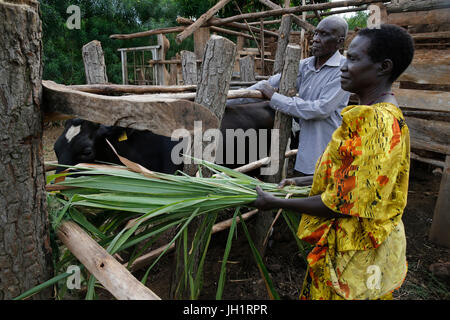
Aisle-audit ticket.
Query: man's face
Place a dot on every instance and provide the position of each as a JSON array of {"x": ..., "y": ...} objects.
[{"x": 326, "y": 39}]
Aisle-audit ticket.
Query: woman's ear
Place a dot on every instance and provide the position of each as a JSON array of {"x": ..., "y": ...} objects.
[{"x": 385, "y": 67}]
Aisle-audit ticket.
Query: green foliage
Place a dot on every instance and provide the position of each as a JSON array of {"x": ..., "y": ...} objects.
[
  {"x": 99, "y": 19},
  {"x": 359, "y": 20}
]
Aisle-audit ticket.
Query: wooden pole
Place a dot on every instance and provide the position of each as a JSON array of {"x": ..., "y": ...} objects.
[
  {"x": 247, "y": 68},
  {"x": 440, "y": 228},
  {"x": 200, "y": 21},
  {"x": 283, "y": 40},
  {"x": 111, "y": 274},
  {"x": 94, "y": 63},
  {"x": 310, "y": 7},
  {"x": 282, "y": 123},
  {"x": 189, "y": 67}
]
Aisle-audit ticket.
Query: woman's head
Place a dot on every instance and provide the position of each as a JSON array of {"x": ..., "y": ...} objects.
[{"x": 376, "y": 57}]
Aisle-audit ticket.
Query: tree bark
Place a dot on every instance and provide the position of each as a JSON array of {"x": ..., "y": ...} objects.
[
  {"x": 25, "y": 254},
  {"x": 94, "y": 63},
  {"x": 283, "y": 123},
  {"x": 189, "y": 67},
  {"x": 247, "y": 68},
  {"x": 283, "y": 40}
]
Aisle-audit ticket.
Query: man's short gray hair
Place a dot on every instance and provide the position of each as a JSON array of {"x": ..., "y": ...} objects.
[{"x": 340, "y": 22}]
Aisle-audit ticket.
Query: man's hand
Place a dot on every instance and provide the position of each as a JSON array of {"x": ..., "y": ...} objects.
[
  {"x": 267, "y": 90},
  {"x": 264, "y": 201},
  {"x": 286, "y": 182}
]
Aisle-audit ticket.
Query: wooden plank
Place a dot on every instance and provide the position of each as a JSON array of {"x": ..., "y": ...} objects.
[
  {"x": 111, "y": 89},
  {"x": 429, "y": 135},
  {"x": 440, "y": 16},
  {"x": 428, "y": 67},
  {"x": 423, "y": 99},
  {"x": 142, "y": 112},
  {"x": 111, "y": 274},
  {"x": 147, "y": 33},
  {"x": 440, "y": 228},
  {"x": 416, "y": 5},
  {"x": 200, "y": 21}
]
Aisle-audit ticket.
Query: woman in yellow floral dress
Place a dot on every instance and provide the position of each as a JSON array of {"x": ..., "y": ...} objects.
[{"x": 360, "y": 185}]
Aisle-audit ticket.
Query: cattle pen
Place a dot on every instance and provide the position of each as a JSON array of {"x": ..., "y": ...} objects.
[{"x": 195, "y": 88}]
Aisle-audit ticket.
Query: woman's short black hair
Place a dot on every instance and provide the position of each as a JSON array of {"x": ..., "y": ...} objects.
[{"x": 390, "y": 42}]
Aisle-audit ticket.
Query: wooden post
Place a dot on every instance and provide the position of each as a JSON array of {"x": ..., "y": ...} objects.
[
  {"x": 217, "y": 69},
  {"x": 123, "y": 57},
  {"x": 247, "y": 68},
  {"x": 263, "y": 47},
  {"x": 282, "y": 122},
  {"x": 239, "y": 47},
  {"x": 283, "y": 40},
  {"x": 25, "y": 253},
  {"x": 111, "y": 274},
  {"x": 189, "y": 67},
  {"x": 440, "y": 228},
  {"x": 94, "y": 63},
  {"x": 173, "y": 73}
]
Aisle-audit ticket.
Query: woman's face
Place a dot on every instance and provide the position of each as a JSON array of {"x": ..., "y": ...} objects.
[{"x": 359, "y": 71}]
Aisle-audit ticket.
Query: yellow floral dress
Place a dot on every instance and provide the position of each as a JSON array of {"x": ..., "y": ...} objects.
[{"x": 363, "y": 173}]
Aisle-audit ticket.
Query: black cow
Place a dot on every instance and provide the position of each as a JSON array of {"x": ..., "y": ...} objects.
[{"x": 84, "y": 141}]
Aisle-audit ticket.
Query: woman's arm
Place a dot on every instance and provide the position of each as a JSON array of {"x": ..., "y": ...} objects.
[
  {"x": 299, "y": 181},
  {"x": 311, "y": 205}
]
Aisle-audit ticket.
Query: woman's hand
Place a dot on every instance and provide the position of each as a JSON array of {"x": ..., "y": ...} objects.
[
  {"x": 286, "y": 182},
  {"x": 265, "y": 200}
]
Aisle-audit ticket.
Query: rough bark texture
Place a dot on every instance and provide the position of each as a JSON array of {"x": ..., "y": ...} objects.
[
  {"x": 25, "y": 258},
  {"x": 157, "y": 113},
  {"x": 216, "y": 74},
  {"x": 247, "y": 68},
  {"x": 189, "y": 67},
  {"x": 283, "y": 40},
  {"x": 94, "y": 63}
]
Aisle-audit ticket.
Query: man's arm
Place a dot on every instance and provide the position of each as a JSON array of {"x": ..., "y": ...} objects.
[
  {"x": 273, "y": 81},
  {"x": 331, "y": 97}
]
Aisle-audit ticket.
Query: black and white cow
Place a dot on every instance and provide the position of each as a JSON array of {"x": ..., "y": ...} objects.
[{"x": 85, "y": 142}]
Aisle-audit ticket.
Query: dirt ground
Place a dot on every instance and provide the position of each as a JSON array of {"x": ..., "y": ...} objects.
[{"x": 287, "y": 268}]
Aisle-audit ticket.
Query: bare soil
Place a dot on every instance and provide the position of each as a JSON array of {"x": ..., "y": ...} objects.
[{"x": 287, "y": 267}]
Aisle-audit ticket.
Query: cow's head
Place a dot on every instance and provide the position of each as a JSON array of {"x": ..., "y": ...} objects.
[{"x": 77, "y": 143}]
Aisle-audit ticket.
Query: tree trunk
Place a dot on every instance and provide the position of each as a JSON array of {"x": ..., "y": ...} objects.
[
  {"x": 25, "y": 256},
  {"x": 217, "y": 68}
]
